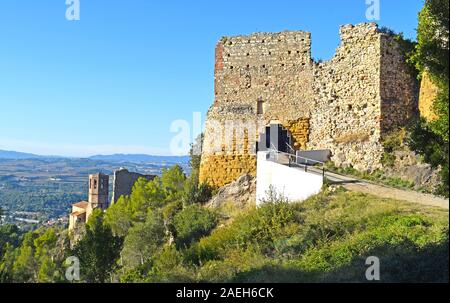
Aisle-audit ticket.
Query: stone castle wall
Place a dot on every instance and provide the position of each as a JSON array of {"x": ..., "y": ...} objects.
[
  {"x": 344, "y": 104},
  {"x": 399, "y": 89},
  {"x": 346, "y": 115},
  {"x": 124, "y": 181}
]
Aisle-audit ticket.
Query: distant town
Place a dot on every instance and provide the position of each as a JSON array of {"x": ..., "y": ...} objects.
[{"x": 39, "y": 190}]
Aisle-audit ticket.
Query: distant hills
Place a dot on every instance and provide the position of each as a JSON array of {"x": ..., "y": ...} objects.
[
  {"x": 136, "y": 158},
  {"x": 13, "y": 155}
]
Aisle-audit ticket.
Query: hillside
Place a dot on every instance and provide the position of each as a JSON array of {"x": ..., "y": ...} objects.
[
  {"x": 327, "y": 239},
  {"x": 137, "y": 158},
  {"x": 13, "y": 155},
  {"x": 164, "y": 233},
  {"x": 133, "y": 158}
]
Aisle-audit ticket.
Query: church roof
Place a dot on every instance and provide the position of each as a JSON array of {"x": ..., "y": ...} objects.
[
  {"x": 78, "y": 213},
  {"x": 82, "y": 204}
]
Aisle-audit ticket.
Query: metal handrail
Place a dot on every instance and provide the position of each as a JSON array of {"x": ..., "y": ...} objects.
[
  {"x": 276, "y": 152},
  {"x": 291, "y": 148}
]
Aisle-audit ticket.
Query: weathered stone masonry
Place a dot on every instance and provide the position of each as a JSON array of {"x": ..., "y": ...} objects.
[{"x": 345, "y": 104}]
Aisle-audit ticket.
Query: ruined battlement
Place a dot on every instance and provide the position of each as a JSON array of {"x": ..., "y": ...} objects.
[
  {"x": 264, "y": 50},
  {"x": 345, "y": 104}
]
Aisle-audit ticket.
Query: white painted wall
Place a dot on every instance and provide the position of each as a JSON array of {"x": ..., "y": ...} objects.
[{"x": 293, "y": 183}]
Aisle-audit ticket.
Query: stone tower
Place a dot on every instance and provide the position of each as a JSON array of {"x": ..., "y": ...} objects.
[
  {"x": 98, "y": 198},
  {"x": 98, "y": 192}
]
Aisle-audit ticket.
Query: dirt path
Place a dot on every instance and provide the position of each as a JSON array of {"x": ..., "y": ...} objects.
[
  {"x": 367, "y": 187},
  {"x": 387, "y": 192},
  {"x": 398, "y": 194}
]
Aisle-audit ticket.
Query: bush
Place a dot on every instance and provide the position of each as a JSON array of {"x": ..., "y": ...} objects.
[
  {"x": 195, "y": 193},
  {"x": 259, "y": 227},
  {"x": 192, "y": 223}
]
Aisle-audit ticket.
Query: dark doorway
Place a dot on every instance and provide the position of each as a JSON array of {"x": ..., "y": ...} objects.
[{"x": 274, "y": 136}]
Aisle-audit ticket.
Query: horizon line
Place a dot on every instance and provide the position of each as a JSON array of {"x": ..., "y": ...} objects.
[{"x": 91, "y": 155}]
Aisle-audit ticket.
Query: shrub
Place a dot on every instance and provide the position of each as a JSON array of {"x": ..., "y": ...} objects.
[
  {"x": 260, "y": 228},
  {"x": 192, "y": 223}
]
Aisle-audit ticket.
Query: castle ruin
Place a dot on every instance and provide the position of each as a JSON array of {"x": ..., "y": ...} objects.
[
  {"x": 345, "y": 105},
  {"x": 124, "y": 182}
]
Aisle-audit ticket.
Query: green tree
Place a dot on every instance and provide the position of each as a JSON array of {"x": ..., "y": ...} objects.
[
  {"x": 432, "y": 56},
  {"x": 194, "y": 192},
  {"x": 195, "y": 154},
  {"x": 9, "y": 234},
  {"x": 145, "y": 195},
  {"x": 143, "y": 240},
  {"x": 7, "y": 264},
  {"x": 173, "y": 181},
  {"x": 98, "y": 250},
  {"x": 119, "y": 216},
  {"x": 45, "y": 249},
  {"x": 25, "y": 265}
]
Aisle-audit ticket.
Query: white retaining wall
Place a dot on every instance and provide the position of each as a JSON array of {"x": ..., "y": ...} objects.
[{"x": 292, "y": 183}]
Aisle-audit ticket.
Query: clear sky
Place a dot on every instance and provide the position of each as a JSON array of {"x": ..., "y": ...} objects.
[{"x": 114, "y": 81}]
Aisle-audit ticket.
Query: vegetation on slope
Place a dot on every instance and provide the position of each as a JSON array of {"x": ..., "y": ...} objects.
[
  {"x": 324, "y": 239},
  {"x": 431, "y": 55}
]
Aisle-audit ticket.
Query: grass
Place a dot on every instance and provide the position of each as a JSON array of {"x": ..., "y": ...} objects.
[{"x": 325, "y": 239}]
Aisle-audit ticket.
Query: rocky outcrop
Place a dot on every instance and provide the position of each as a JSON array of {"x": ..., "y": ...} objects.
[
  {"x": 241, "y": 193},
  {"x": 408, "y": 166}
]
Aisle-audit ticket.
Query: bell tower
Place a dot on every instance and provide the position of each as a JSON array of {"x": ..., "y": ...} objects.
[{"x": 99, "y": 191}]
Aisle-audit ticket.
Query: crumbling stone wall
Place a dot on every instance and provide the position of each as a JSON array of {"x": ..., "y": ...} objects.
[
  {"x": 124, "y": 182},
  {"x": 399, "y": 89},
  {"x": 346, "y": 115},
  {"x": 344, "y": 104}
]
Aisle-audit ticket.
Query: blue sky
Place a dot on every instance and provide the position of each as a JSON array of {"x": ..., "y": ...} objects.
[{"x": 115, "y": 80}]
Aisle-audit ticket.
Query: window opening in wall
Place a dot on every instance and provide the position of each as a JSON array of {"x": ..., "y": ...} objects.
[
  {"x": 260, "y": 107},
  {"x": 95, "y": 184}
]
